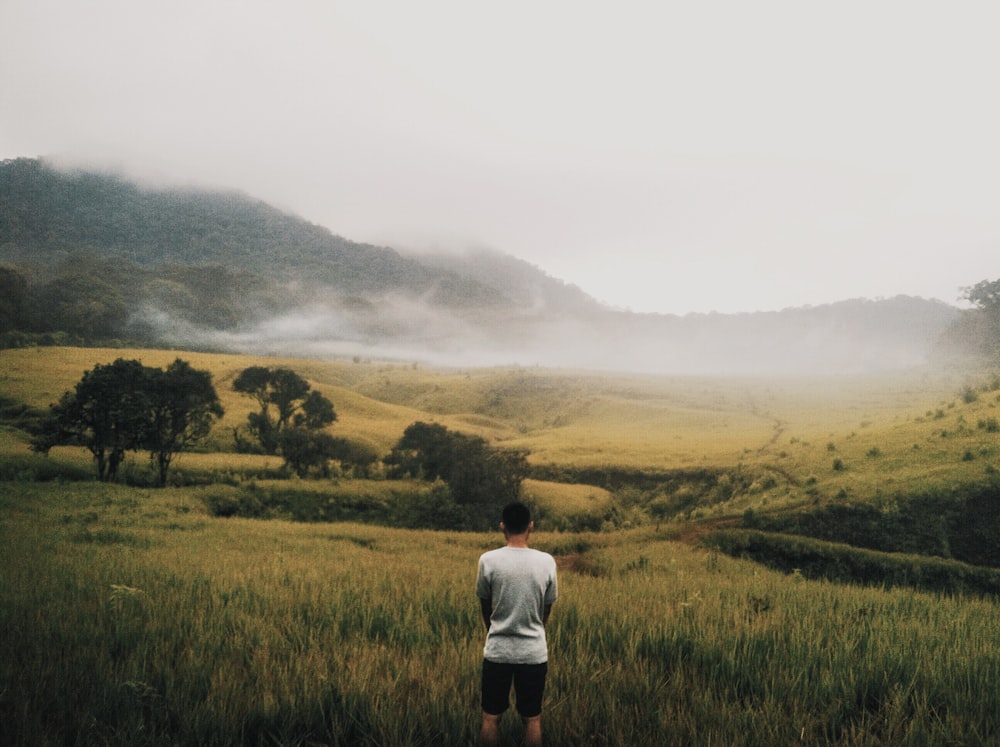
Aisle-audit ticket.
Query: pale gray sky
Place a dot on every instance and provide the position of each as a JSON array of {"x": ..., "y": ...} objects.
[{"x": 663, "y": 156}]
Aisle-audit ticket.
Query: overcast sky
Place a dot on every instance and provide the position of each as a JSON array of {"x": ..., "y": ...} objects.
[{"x": 663, "y": 156}]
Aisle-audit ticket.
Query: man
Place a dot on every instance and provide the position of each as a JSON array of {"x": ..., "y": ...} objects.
[{"x": 516, "y": 586}]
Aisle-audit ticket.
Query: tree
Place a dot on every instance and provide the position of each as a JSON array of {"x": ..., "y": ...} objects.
[
  {"x": 305, "y": 450},
  {"x": 81, "y": 303},
  {"x": 978, "y": 329},
  {"x": 481, "y": 478},
  {"x": 183, "y": 406},
  {"x": 985, "y": 295},
  {"x": 484, "y": 475},
  {"x": 107, "y": 413},
  {"x": 125, "y": 407},
  {"x": 13, "y": 293},
  {"x": 255, "y": 382},
  {"x": 291, "y": 395},
  {"x": 426, "y": 451},
  {"x": 316, "y": 412}
]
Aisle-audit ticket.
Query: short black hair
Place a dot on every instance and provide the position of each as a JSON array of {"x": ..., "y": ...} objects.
[{"x": 516, "y": 518}]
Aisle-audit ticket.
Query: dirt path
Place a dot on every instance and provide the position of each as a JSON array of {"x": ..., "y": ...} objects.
[{"x": 777, "y": 429}]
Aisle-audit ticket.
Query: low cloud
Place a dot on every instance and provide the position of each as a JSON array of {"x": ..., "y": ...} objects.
[{"x": 851, "y": 337}]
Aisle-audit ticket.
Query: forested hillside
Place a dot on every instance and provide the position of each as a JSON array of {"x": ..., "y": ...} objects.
[
  {"x": 93, "y": 257},
  {"x": 46, "y": 214}
]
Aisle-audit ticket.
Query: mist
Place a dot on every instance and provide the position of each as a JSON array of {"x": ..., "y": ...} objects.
[{"x": 850, "y": 337}]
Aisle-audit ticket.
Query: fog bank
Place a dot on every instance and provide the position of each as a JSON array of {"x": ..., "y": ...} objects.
[{"x": 849, "y": 337}]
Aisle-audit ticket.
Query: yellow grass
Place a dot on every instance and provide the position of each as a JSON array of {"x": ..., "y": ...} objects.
[
  {"x": 565, "y": 499},
  {"x": 796, "y": 427}
]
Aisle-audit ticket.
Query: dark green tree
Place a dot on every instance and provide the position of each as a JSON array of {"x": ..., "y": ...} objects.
[
  {"x": 126, "y": 406},
  {"x": 288, "y": 391},
  {"x": 426, "y": 451},
  {"x": 481, "y": 478},
  {"x": 305, "y": 450},
  {"x": 13, "y": 294},
  {"x": 294, "y": 402},
  {"x": 83, "y": 304},
  {"x": 183, "y": 407},
  {"x": 315, "y": 412},
  {"x": 255, "y": 383},
  {"x": 984, "y": 295},
  {"x": 978, "y": 329},
  {"x": 107, "y": 413}
]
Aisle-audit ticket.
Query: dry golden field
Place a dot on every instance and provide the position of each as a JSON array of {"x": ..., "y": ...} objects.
[{"x": 887, "y": 432}]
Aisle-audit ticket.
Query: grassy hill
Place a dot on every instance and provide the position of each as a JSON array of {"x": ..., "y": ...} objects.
[
  {"x": 143, "y": 616},
  {"x": 779, "y": 443}
]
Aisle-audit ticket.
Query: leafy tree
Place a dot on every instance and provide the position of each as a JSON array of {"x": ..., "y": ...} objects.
[
  {"x": 292, "y": 398},
  {"x": 255, "y": 382},
  {"x": 288, "y": 391},
  {"x": 985, "y": 295},
  {"x": 81, "y": 303},
  {"x": 107, "y": 413},
  {"x": 481, "y": 478},
  {"x": 305, "y": 449},
  {"x": 13, "y": 292},
  {"x": 978, "y": 330},
  {"x": 126, "y": 406},
  {"x": 183, "y": 406},
  {"x": 426, "y": 451},
  {"x": 316, "y": 411}
]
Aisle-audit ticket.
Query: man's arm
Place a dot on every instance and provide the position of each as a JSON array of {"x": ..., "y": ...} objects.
[
  {"x": 545, "y": 614},
  {"x": 486, "y": 607}
]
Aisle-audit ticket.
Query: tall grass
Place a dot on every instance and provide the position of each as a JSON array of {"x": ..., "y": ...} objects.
[{"x": 134, "y": 617}]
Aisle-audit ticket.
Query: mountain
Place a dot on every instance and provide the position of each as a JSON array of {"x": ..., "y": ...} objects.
[
  {"x": 98, "y": 256},
  {"x": 45, "y": 214}
]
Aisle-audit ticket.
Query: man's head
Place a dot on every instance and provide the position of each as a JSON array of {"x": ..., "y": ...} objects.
[{"x": 516, "y": 518}]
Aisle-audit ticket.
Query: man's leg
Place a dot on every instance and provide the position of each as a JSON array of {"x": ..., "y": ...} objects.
[
  {"x": 529, "y": 686},
  {"x": 489, "y": 733},
  {"x": 533, "y": 731},
  {"x": 496, "y": 682}
]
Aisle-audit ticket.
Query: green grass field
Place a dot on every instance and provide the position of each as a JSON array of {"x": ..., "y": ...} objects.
[
  {"x": 134, "y": 617},
  {"x": 137, "y": 616}
]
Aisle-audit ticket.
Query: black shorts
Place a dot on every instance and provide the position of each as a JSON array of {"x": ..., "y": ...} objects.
[{"x": 529, "y": 684}]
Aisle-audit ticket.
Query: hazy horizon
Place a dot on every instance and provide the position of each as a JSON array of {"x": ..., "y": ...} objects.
[{"x": 661, "y": 157}]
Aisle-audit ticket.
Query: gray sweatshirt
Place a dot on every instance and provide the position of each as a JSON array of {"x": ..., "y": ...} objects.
[{"x": 520, "y": 582}]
